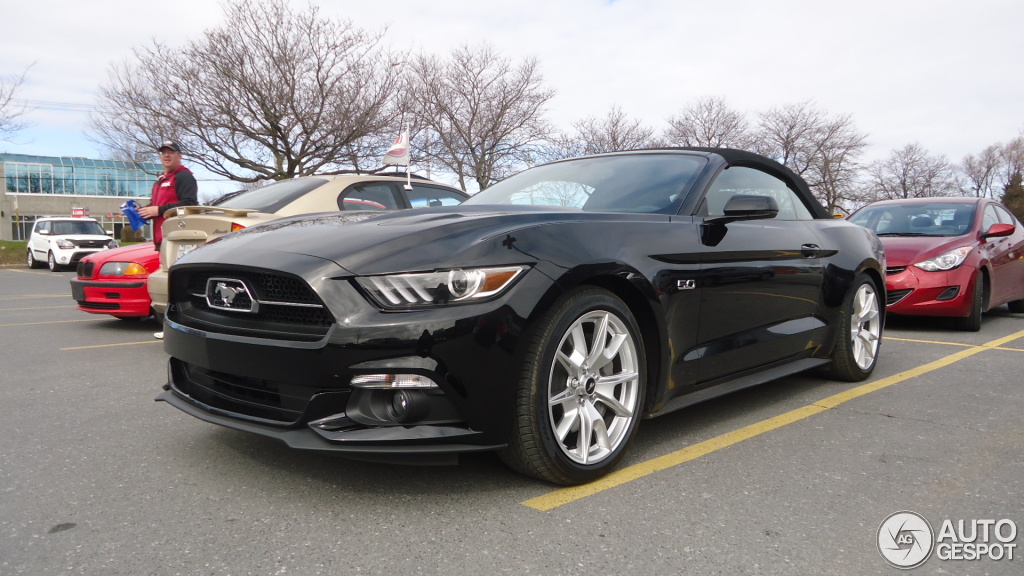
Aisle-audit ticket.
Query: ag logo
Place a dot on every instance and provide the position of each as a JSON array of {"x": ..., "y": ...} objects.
[{"x": 905, "y": 540}]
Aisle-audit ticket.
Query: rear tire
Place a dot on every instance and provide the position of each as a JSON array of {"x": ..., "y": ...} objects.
[
  {"x": 972, "y": 323},
  {"x": 860, "y": 333},
  {"x": 581, "y": 390}
]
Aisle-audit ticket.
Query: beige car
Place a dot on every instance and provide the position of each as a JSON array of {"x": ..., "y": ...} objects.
[{"x": 193, "y": 226}]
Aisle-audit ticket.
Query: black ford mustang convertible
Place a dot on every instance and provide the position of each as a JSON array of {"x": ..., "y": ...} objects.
[{"x": 544, "y": 318}]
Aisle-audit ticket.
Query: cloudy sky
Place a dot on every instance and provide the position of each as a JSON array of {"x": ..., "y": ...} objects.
[{"x": 944, "y": 74}]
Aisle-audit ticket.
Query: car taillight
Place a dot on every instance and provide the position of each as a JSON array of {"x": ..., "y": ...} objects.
[{"x": 235, "y": 226}]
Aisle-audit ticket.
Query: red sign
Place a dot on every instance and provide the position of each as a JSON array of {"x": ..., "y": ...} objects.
[{"x": 79, "y": 212}]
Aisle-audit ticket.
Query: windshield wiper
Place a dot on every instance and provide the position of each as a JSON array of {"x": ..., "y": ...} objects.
[{"x": 907, "y": 234}]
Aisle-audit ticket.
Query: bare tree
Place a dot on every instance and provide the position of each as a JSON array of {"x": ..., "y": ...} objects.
[
  {"x": 593, "y": 135},
  {"x": 911, "y": 172},
  {"x": 834, "y": 162},
  {"x": 981, "y": 171},
  {"x": 477, "y": 114},
  {"x": 708, "y": 122},
  {"x": 788, "y": 133},
  {"x": 823, "y": 149},
  {"x": 1012, "y": 155},
  {"x": 11, "y": 111},
  {"x": 271, "y": 94}
]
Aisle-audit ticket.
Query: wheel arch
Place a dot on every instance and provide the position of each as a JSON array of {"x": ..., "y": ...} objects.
[{"x": 640, "y": 297}]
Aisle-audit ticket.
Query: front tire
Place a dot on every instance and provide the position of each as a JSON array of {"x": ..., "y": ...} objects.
[
  {"x": 972, "y": 323},
  {"x": 581, "y": 390},
  {"x": 31, "y": 260},
  {"x": 51, "y": 262},
  {"x": 860, "y": 333}
]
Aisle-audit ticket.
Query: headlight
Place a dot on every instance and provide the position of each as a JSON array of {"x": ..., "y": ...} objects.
[
  {"x": 404, "y": 290},
  {"x": 112, "y": 244},
  {"x": 947, "y": 261},
  {"x": 123, "y": 269},
  {"x": 65, "y": 244}
]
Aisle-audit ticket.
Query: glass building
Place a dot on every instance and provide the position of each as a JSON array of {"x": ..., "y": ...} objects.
[
  {"x": 35, "y": 186},
  {"x": 77, "y": 176}
]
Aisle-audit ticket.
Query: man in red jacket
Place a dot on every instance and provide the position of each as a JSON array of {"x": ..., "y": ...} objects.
[{"x": 175, "y": 187}]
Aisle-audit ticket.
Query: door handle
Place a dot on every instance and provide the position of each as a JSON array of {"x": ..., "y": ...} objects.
[{"x": 809, "y": 250}]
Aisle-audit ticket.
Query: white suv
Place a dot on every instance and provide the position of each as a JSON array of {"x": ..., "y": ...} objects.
[{"x": 63, "y": 242}]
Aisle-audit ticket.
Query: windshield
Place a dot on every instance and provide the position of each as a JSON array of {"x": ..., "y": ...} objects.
[
  {"x": 271, "y": 198},
  {"x": 917, "y": 219},
  {"x": 643, "y": 183},
  {"x": 62, "y": 227}
]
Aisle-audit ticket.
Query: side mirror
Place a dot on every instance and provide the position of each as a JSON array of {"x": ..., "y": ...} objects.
[
  {"x": 747, "y": 207},
  {"x": 109, "y": 232},
  {"x": 43, "y": 232},
  {"x": 999, "y": 230}
]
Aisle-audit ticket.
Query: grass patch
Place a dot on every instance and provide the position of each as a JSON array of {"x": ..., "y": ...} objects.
[{"x": 12, "y": 252}]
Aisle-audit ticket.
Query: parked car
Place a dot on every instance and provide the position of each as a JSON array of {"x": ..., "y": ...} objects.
[
  {"x": 957, "y": 257},
  {"x": 60, "y": 242},
  {"x": 542, "y": 318},
  {"x": 114, "y": 281},
  {"x": 193, "y": 226}
]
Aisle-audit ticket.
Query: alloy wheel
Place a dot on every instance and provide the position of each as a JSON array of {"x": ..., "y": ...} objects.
[
  {"x": 594, "y": 387},
  {"x": 865, "y": 326}
]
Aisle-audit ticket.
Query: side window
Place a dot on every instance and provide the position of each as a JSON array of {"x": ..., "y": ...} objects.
[
  {"x": 1004, "y": 216},
  {"x": 990, "y": 218},
  {"x": 425, "y": 196},
  {"x": 43, "y": 226},
  {"x": 370, "y": 196},
  {"x": 748, "y": 181}
]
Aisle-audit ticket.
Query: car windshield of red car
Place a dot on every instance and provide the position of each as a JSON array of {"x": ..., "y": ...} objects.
[{"x": 917, "y": 219}]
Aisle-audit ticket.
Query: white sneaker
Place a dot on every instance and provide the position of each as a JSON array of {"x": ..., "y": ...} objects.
[{"x": 158, "y": 335}]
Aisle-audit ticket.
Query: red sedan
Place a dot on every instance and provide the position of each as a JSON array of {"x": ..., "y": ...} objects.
[
  {"x": 115, "y": 281},
  {"x": 957, "y": 257}
]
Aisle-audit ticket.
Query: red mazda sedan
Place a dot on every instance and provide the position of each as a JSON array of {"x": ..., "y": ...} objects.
[
  {"x": 957, "y": 257},
  {"x": 115, "y": 281}
]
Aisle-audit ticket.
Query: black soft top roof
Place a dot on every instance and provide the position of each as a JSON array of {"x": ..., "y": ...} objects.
[{"x": 735, "y": 157}]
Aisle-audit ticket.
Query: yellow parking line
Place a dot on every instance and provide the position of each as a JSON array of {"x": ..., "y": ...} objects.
[
  {"x": 954, "y": 344},
  {"x": 53, "y": 322},
  {"x": 564, "y": 496},
  {"x": 109, "y": 345}
]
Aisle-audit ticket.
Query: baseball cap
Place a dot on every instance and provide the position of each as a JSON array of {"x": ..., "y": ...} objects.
[{"x": 169, "y": 144}]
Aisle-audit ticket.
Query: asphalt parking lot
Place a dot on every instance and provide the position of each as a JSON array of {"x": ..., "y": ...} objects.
[{"x": 791, "y": 477}]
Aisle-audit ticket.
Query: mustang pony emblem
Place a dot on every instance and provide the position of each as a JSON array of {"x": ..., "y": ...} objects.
[{"x": 229, "y": 294}]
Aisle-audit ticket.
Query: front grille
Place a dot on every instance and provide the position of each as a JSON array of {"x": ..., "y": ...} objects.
[
  {"x": 287, "y": 307},
  {"x": 894, "y": 296},
  {"x": 92, "y": 243},
  {"x": 85, "y": 269},
  {"x": 894, "y": 270},
  {"x": 257, "y": 398}
]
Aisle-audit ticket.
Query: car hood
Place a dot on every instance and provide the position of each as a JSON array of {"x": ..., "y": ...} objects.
[
  {"x": 141, "y": 252},
  {"x": 907, "y": 250},
  {"x": 382, "y": 242}
]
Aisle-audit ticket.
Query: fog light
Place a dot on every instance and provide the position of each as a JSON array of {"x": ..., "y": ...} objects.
[
  {"x": 387, "y": 381},
  {"x": 407, "y": 406},
  {"x": 949, "y": 293}
]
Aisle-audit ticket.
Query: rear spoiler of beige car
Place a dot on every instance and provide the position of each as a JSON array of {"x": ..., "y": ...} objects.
[{"x": 187, "y": 210}]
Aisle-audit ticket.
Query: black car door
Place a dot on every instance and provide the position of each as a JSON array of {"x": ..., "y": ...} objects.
[{"x": 760, "y": 280}]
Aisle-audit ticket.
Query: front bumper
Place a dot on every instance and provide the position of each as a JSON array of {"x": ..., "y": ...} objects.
[
  {"x": 299, "y": 390},
  {"x": 126, "y": 298},
  {"x": 915, "y": 292},
  {"x": 72, "y": 255}
]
